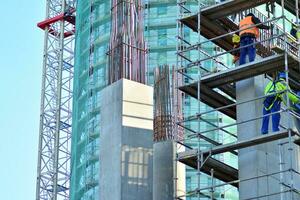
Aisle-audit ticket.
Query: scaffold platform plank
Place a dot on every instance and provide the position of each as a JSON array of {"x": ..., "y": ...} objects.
[
  {"x": 211, "y": 98},
  {"x": 209, "y": 29},
  {"x": 235, "y": 74},
  {"x": 212, "y": 29},
  {"x": 222, "y": 171},
  {"x": 230, "y": 7},
  {"x": 192, "y": 154}
]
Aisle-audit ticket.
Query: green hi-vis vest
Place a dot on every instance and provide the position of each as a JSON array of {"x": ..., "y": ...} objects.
[{"x": 280, "y": 87}]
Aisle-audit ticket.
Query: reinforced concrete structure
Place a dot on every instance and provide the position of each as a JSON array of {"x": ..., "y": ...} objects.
[
  {"x": 126, "y": 142},
  {"x": 165, "y": 166}
]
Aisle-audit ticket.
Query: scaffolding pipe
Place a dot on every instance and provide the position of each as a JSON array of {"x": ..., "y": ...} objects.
[{"x": 199, "y": 163}]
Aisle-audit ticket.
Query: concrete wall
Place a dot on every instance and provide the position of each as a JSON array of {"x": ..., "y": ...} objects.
[
  {"x": 261, "y": 159},
  {"x": 126, "y": 154},
  {"x": 164, "y": 171}
]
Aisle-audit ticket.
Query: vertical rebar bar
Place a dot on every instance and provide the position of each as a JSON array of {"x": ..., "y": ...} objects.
[
  {"x": 127, "y": 49},
  {"x": 167, "y": 111}
]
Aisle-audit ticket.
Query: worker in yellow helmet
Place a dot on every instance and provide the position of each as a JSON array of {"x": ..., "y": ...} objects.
[
  {"x": 236, "y": 45},
  {"x": 295, "y": 32},
  {"x": 276, "y": 90},
  {"x": 249, "y": 33},
  {"x": 296, "y": 36}
]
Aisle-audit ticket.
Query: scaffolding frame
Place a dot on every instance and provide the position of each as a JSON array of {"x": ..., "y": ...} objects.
[
  {"x": 53, "y": 168},
  {"x": 284, "y": 45}
]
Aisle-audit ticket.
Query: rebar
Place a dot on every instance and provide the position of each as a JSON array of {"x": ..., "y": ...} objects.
[
  {"x": 127, "y": 48},
  {"x": 167, "y": 105}
]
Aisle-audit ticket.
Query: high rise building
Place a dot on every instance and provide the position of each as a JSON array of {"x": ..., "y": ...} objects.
[{"x": 93, "y": 25}]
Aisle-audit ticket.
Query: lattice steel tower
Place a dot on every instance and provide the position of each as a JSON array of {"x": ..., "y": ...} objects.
[{"x": 53, "y": 171}]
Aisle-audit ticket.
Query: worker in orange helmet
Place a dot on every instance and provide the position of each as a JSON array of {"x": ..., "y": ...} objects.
[{"x": 249, "y": 33}]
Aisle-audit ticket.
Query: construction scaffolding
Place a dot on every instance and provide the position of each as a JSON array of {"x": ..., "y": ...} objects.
[
  {"x": 237, "y": 92},
  {"x": 54, "y": 151}
]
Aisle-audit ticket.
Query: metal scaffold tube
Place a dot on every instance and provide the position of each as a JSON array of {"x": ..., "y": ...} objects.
[{"x": 200, "y": 157}]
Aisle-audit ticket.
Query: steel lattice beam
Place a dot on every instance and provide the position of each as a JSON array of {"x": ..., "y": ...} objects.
[{"x": 53, "y": 171}]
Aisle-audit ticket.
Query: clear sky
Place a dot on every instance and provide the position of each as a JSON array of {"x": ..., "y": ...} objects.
[{"x": 21, "y": 49}]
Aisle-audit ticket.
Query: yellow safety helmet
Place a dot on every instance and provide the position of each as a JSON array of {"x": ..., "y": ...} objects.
[{"x": 236, "y": 38}]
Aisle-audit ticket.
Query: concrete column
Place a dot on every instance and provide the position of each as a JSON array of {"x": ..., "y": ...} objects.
[
  {"x": 126, "y": 147},
  {"x": 164, "y": 171}
]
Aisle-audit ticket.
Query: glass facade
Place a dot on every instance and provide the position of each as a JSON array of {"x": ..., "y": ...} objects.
[{"x": 92, "y": 39}]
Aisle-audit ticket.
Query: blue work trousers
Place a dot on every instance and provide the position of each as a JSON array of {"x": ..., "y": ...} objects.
[
  {"x": 275, "y": 118},
  {"x": 249, "y": 50}
]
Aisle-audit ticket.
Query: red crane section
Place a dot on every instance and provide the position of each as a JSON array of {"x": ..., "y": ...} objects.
[{"x": 67, "y": 16}]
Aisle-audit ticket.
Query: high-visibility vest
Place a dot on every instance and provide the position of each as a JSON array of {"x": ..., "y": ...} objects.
[
  {"x": 247, "y": 22},
  {"x": 270, "y": 100},
  {"x": 295, "y": 33},
  {"x": 279, "y": 86}
]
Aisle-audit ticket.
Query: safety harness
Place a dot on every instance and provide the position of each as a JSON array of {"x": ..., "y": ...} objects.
[{"x": 270, "y": 100}]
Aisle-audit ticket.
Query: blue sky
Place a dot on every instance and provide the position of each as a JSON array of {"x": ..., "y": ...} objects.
[{"x": 21, "y": 45}]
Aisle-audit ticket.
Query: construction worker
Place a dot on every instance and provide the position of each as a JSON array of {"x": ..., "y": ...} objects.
[
  {"x": 236, "y": 45},
  {"x": 294, "y": 31},
  {"x": 276, "y": 91},
  {"x": 296, "y": 36},
  {"x": 249, "y": 36},
  {"x": 296, "y": 109}
]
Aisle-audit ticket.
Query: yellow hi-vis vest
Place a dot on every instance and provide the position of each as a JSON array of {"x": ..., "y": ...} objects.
[{"x": 280, "y": 87}]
